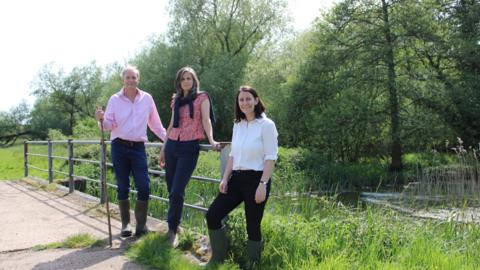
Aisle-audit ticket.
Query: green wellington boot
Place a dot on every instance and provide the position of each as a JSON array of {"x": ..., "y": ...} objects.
[
  {"x": 141, "y": 208},
  {"x": 218, "y": 243},
  {"x": 124, "y": 206},
  {"x": 254, "y": 250}
]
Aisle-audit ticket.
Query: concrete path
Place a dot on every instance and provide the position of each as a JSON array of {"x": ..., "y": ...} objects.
[{"x": 31, "y": 216}]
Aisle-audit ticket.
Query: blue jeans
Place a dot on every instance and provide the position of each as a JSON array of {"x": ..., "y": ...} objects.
[
  {"x": 180, "y": 161},
  {"x": 130, "y": 159}
]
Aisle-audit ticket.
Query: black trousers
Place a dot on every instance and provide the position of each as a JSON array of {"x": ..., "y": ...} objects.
[{"x": 241, "y": 188}]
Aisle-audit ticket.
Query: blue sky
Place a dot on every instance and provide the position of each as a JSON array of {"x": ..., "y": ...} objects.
[{"x": 74, "y": 33}]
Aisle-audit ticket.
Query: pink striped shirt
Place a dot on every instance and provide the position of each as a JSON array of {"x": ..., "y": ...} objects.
[
  {"x": 189, "y": 129},
  {"x": 128, "y": 120}
]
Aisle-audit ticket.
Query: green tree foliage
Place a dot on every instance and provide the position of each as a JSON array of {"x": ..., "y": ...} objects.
[
  {"x": 14, "y": 124},
  {"x": 347, "y": 93},
  {"x": 47, "y": 115},
  {"x": 358, "y": 94},
  {"x": 273, "y": 71},
  {"x": 444, "y": 53},
  {"x": 72, "y": 95},
  {"x": 216, "y": 38},
  {"x": 157, "y": 75}
]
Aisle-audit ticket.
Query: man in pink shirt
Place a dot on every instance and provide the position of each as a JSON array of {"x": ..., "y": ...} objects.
[{"x": 128, "y": 113}]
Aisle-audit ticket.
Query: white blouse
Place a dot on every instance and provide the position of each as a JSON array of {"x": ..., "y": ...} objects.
[{"x": 253, "y": 143}]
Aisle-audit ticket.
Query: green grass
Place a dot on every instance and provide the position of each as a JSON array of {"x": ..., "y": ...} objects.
[
  {"x": 375, "y": 238},
  {"x": 11, "y": 162},
  {"x": 75, "y": 241},
  {"x": 153, "y": 250},
  {"x": 311, "y": 233}
]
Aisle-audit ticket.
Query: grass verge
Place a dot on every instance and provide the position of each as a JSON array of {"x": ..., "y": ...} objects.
[
  {"x": 153, "y": 250},
  {"x": 74, "y": 241}
]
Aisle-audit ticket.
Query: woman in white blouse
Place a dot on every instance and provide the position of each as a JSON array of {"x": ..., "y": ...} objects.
[{"x": 247, "y": 175}]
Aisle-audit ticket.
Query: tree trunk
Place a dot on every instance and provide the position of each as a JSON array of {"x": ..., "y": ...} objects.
[{"x": 396, "y": 147}]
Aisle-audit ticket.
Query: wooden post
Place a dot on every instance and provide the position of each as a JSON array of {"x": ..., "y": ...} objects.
[
  {"x": 103, "y": 192},
  {"x": 71, "y": 184},
  {"x": 25, "y": 158},
  {"x": 50, "y": 162}
]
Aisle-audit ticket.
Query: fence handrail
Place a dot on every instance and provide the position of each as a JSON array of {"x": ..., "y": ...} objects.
[{"x": 71, "y": 159}]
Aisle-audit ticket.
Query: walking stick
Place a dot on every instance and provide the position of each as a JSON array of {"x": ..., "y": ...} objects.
[{"x": 104, "y": 181}]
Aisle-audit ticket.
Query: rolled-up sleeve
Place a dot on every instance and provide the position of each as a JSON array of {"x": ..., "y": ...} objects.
[
  {"x": 109, "y": 116},
  {"x": 155, "y": 123},
  {"x": 270, "y": 141}
]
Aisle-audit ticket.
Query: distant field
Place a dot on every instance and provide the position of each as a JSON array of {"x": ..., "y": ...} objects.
[{"x": 11, "y": 161}]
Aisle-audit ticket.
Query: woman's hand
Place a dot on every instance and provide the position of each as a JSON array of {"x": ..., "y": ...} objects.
[
  {"x": 215, "y": 145},
  {"x": 223, "y": 186},
  {"x": 261, "y": 193},
  {"x": 161, "y": 158}
]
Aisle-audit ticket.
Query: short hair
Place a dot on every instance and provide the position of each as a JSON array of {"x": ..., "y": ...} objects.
[
  {"x": 132, "y": 68},
  {"x": 259, "y": 108}
]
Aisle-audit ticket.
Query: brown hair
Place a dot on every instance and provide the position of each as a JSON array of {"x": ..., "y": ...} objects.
[
  {"x": 178, "y": 80},
  {"x": 259, "y": 108}
]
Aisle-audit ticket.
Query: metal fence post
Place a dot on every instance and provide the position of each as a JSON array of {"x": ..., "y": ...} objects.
[
  {"x": 25, "y": 158},
  {"x": 71, "y": 184},
  {"x": 50, "y": 161},
  {"x": 102, "y": 172},
  {"x": 224, "y": 158}
]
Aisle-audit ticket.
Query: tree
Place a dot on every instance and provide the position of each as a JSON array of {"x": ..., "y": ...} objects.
[
  {"x": 73, "y": 95},
  {"x": 45, "y": 115},
  {"x": 14, "y": 124},
  {"x": 365, "y": 78},
  {"x": 217, "y": 39}
]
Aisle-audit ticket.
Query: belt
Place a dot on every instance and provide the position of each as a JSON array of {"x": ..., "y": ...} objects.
[
  {"x": 245, "y": 171},
  {"x": 127, "y": 142}
]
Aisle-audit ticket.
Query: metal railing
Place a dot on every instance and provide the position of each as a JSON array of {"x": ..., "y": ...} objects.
[{"x": 103, "y": 148}]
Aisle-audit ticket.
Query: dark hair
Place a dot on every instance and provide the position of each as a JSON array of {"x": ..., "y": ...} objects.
[
  {"x": 259, "y": 108},
  {"x": 178, "y": 80}
]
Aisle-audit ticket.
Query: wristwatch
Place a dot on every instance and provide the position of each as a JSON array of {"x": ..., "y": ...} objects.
[{"x": 264, "y": 182}]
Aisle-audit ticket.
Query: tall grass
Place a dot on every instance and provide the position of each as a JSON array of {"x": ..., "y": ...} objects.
[
  {"x": 456, "y": 183},
  {"x": 338, "y": 238}
]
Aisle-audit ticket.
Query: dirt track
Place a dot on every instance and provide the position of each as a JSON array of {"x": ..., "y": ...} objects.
[{"x": 31, "y": 216}]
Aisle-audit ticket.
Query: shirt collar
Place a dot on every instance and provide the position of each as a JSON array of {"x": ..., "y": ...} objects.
[
  {"x": 139, "y": 95},
  {"x": 262, "y": 118}
]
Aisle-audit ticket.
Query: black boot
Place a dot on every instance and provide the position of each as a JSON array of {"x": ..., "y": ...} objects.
[
  {"x": 124, "y": 206},
  {"x": 254, "y": 250},
  {"x": 141, "y": 208}
]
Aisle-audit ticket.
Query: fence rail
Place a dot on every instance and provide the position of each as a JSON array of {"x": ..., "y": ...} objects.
[{"x": 103, "y": 148}]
